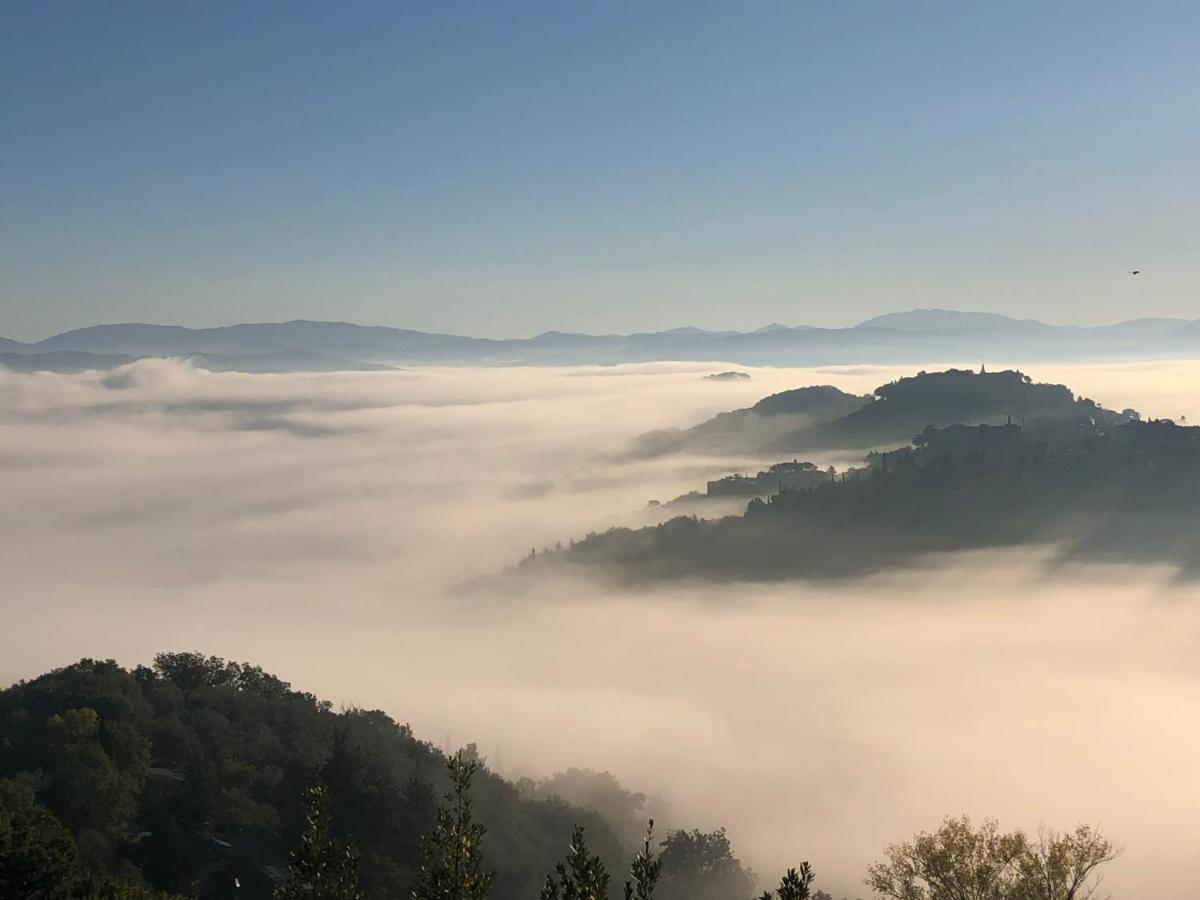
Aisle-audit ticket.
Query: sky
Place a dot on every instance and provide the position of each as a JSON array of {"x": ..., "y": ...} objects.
[{"x": 505, "y": 169}]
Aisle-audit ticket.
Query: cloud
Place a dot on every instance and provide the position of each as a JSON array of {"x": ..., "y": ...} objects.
[{"x": 316, "y": 524}]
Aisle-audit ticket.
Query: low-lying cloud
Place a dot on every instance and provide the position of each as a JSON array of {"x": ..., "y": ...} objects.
[{"x": 315, "y": 524}]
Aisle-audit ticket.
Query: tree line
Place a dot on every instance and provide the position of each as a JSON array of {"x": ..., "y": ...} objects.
[
  {"x": 958, "y": 861},
  {"x": 198, "y": 777}
]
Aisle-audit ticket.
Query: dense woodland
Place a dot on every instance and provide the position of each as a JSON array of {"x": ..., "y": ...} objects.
[{"x": 191, "y": 773}]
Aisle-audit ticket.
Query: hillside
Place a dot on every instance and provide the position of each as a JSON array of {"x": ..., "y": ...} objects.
[
  {"x": 823, "y": 417},
  {"x": 903, "y": 407},
  {"x": 766, "y": 424},
  {"x": 191, "y": 773},
  {"x": 1106, "y": 486}
]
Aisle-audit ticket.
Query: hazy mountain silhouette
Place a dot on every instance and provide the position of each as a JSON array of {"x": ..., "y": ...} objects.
[
  {"x": 767, "y": 424},
  {"x": 948, "y": 321},
  {"x": 823, "y": 417},
  {"x": 282, "y": 361},
  {"x": 914, "y": 336},
  {"x": 66, "y": 361}
]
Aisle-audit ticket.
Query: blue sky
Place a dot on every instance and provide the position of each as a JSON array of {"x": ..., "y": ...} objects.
[{"x": 507, "y": 168}]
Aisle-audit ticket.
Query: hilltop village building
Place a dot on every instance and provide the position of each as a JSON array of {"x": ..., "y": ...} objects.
[{"x": 784, "y": 476}]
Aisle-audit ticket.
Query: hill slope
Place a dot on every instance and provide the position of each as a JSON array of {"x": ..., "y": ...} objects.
[
  {"x": 823, "y": 417},
  {"x": 1091, "y": 482},
  {"x": 192, "y": 772}
]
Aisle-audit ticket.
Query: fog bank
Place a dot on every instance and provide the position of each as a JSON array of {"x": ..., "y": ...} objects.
[{"x": 315, "y": 524}]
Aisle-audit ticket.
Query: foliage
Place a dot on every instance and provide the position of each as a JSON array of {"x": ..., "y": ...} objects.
[
  {"x": 699, "y": 865},
  {"x": 645, "y": 869},
  {"x": 191, "y": 773},
  {"x": 795, "y": 885},
  {"x": 37, "y": 855},
  {"x": 582, "y": 877},
  {"x": 39, "y": 859},
  {"x": 1062, "y": 866},
  {"x": 960, "y": 862},
  {"x": 452, "y": 867},
  {"x": 322, "y": 867},
  {"x": 622, "y": 809},
  {"x": 956, "y": 862}
]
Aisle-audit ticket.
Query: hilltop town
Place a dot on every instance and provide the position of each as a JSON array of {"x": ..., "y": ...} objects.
[{"x": 1056, "y": 470}]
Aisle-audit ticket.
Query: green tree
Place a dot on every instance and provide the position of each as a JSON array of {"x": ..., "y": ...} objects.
[
  {"x": 582, "y": 877},
  {"x": 322, "y": 867},
  {"x": 1062, "y": 866},
  {"x": 698, "y": 865},
  {"x": 795, "y": 885},
  {"x": 645, "y": 869},
  {"x": 452, "y": 866},
  {"x": 38, "y": 858},
  {"x": 956, "y": 862}
]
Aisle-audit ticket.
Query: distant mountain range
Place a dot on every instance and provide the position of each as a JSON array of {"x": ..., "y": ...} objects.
[{"x": 914, "y": 336}]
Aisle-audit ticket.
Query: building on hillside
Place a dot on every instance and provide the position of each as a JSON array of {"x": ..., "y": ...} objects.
[{"x": 784, "y": 476}]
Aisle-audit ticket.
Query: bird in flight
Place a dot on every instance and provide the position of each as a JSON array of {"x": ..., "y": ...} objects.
[{"x": 1135, "y": 271}]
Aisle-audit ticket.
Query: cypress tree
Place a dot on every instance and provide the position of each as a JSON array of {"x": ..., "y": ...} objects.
[
  {"x": 322, "y": 867},
  {"x": 645, "y": 869},
  {"x": 582, "y": 877},
  {"x": 452, "y": 866}
]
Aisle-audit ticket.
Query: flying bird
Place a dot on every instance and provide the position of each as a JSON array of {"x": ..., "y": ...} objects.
[{"x": 1135, "y": 272}]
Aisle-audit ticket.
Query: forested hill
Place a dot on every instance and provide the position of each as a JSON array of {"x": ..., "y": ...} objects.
[
  {"x": 1106, "y": 486},
  {"x": 901, "y": 408},
  {"x": 189, "y": 774},
  {"x": 823, "y": 417}
]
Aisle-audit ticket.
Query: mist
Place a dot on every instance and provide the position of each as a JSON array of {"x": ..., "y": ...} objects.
[{"x": 321, "y": 526}]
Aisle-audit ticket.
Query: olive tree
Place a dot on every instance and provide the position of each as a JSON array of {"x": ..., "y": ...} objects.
[
  {"x": 961, "y": 862},
  {"x": 1062, "y": 865},
  {"x": 956, "y": 862}
]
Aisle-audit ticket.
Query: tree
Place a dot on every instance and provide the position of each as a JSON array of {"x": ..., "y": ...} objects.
[
  {"x": 1062, "y": 866},
  {"x": 452, "y": 866},
  {"x": 956, "y": 862},
  {"x": 700, "y": 865},
  {"x": 795, "y": 885},
  {"x": 646, "y": 869},
  {"x": 582, "y": 877},
  {"x": 38, "y": 858},
  {"x": 322, "y": 867}
]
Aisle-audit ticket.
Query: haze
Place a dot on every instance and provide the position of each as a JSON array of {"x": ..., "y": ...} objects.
[{"x": 322, "y": 526}]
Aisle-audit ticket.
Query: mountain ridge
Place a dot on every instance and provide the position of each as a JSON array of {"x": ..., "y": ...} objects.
[{"x": 901, "y": 337}]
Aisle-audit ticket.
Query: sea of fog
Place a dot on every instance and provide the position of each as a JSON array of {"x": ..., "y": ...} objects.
[{"x": 319, "y": 525}]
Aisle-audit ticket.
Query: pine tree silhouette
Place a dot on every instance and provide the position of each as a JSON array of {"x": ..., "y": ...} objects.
[
  {"x": 322, "y": 867},
  {"x": 452, "y": 868}
]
